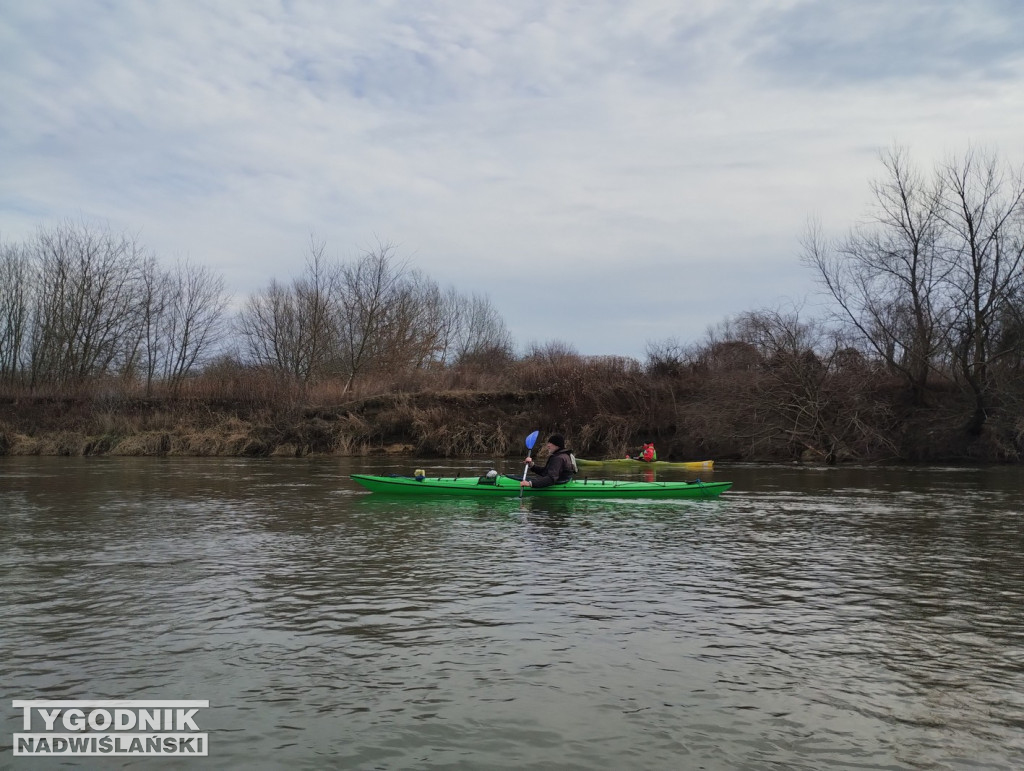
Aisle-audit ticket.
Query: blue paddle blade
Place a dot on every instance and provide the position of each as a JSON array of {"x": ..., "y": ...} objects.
[{"x": 531, "y": 440}]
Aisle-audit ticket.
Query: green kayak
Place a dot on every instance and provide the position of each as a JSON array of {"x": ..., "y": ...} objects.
[
  {"x": 504, "y": 487},
  {"x": 689, "y": 465}
]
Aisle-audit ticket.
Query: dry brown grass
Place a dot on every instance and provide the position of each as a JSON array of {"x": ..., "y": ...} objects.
[{"x": 721, "y": 407}]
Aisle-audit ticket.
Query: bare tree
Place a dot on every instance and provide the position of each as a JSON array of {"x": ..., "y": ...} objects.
[
  {"x": 446, "y": 316},
  {"x": 552, "y": 352},
  {"x": 982, "y": 209},
  {"x": 86, "y": 310},
  {"x": 887, "y": 276},
  {"x": 372, "y": 310},
  {"x": 316, "y": 293},
  {"x": 17, "y": 282},
  {"x": 268, "y": 326},
  {"x": 154, "y": 298},
  {"x": 482, "y": 334},
  {"x": 193, "y": 319},
  {"x": 410, "y": 334},
  {"x": 469, "y": 330},
  {"x": 291, "y": 328}
]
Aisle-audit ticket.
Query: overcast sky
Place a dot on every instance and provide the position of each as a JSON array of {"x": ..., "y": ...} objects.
[{"x": 609, "y": 173}]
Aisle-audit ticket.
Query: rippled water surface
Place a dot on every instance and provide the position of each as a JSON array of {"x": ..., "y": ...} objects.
[{"x": 808, "y": 619}]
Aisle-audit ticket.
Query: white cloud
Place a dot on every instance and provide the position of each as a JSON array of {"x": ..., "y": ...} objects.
[{"x": 617, "y": 161}]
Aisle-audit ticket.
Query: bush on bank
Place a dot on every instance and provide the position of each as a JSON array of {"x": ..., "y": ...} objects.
[{"x": 724, "y": 402}]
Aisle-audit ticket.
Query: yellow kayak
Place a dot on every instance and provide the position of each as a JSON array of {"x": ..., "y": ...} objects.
[{"x": 689, "y": 465}]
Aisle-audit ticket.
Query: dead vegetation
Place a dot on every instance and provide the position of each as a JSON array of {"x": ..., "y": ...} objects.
[{"x": 727, "y": 400}]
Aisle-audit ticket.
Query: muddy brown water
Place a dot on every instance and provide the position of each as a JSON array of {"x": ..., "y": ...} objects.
[{"x": 810, "y": 618}]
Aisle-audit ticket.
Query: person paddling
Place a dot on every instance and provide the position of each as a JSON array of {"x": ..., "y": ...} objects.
[
  {"x": 559, "y": 467},
  {"x": 647, "y": 453}
]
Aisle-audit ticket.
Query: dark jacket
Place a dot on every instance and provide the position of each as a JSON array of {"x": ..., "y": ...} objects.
[{"x": 557, "y": 469}]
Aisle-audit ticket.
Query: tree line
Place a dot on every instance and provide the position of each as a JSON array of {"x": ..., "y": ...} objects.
[
  {"x": 369, "y": 316},
  {"x": 80, "y": 304},
  {"x": 917, "y": 352}
]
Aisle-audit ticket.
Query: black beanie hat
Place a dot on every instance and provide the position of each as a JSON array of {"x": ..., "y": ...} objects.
[{"x": 557, "y": 440}]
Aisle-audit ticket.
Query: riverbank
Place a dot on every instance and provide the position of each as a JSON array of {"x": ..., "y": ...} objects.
[
  {"x": 494, "y": 423},
  {"x": 449, "y": 424}
]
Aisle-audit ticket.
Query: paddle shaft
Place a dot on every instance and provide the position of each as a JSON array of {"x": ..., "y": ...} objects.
[{"x": 531, "y": 440}]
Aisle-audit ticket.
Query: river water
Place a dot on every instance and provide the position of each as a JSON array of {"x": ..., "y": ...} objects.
[{"x": 855, "y": 618}]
